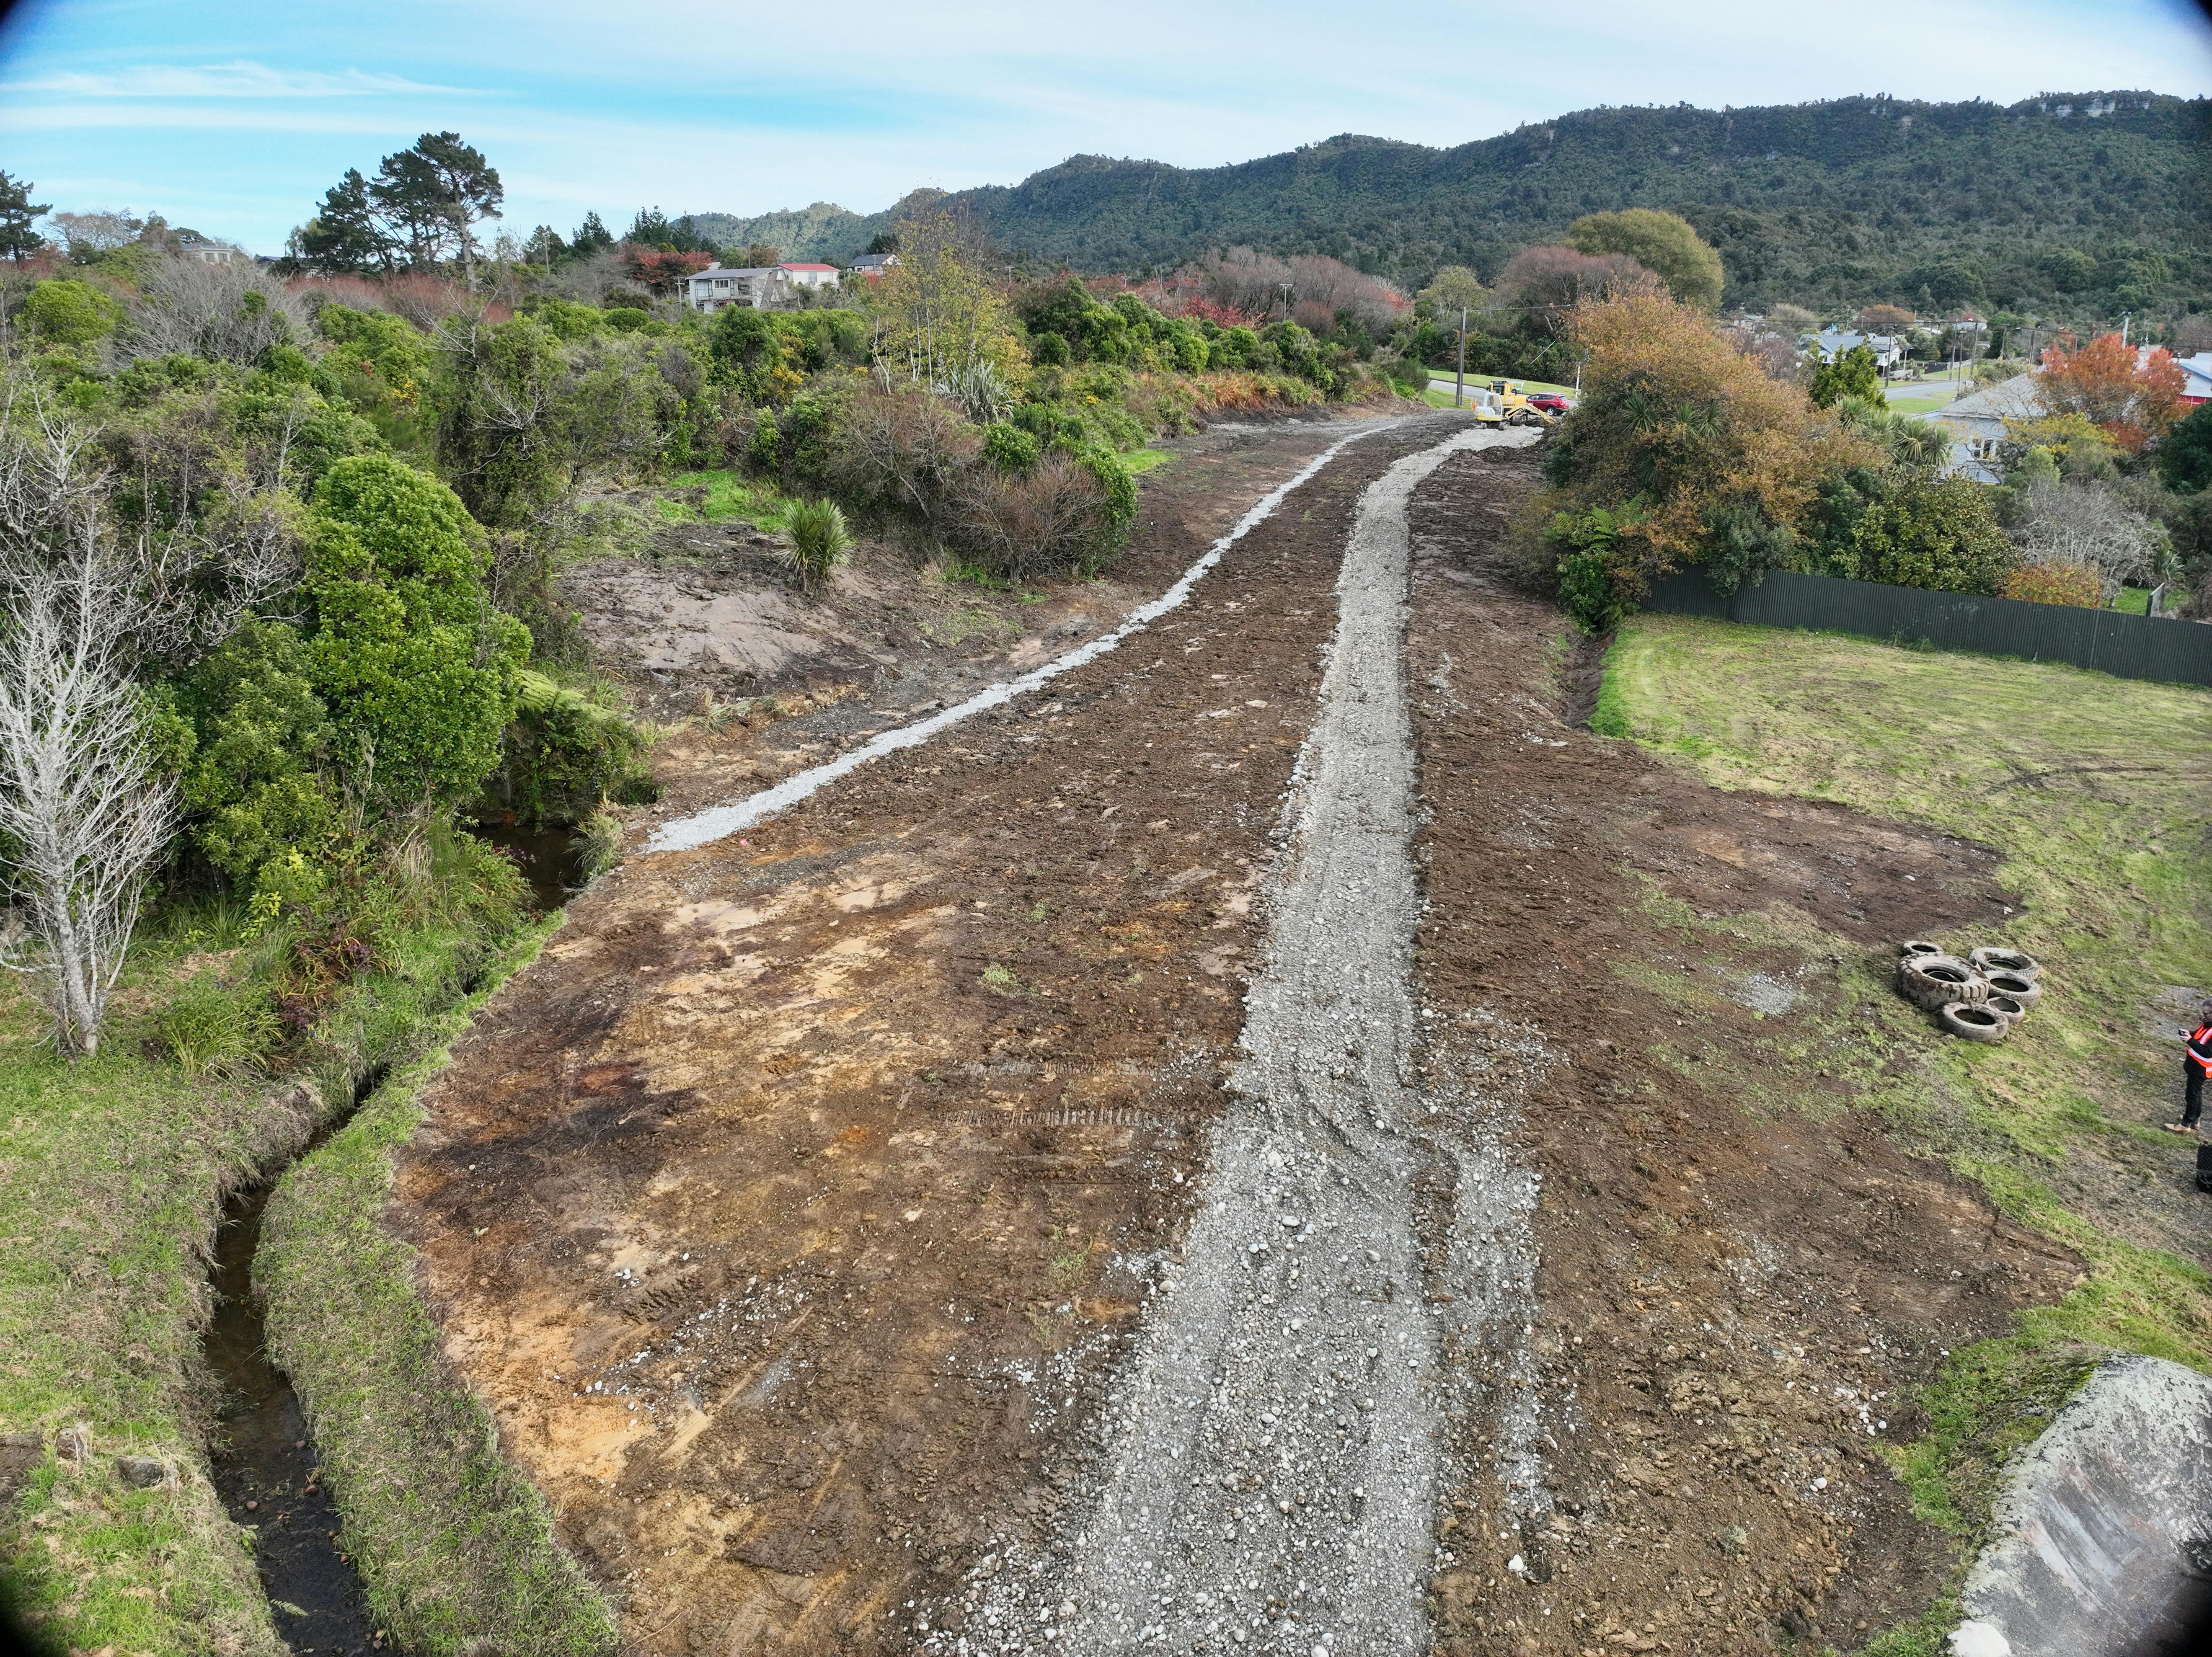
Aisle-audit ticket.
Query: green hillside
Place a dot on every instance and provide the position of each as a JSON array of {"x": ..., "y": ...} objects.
[{"x": 2090, "y": 201}]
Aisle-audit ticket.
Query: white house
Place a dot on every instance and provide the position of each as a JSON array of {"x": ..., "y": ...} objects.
[
  {"x": 1977, "y": 424},
  {"x": 190, "y": 244},
  {"x": 764, "y": 286},
  {"x": 873, "y": 264},
  {"x": 1888, "y": 348}
]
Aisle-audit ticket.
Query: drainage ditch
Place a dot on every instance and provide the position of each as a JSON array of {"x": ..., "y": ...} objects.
[{"x": 267, "y": 1471}]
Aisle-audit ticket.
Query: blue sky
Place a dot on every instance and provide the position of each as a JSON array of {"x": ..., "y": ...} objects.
[{"x": 233, "y": 116}]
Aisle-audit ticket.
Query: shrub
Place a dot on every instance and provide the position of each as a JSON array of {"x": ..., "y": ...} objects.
[
  {"x": 1053, "y": 518},
  {"x": 418, "y": 670},
  {"x": 1937, "y": 533},
  {"x": 1590, "y": 585},
  {"x": 819, "y": 541},
  {"x": 1010, "y": 448},
  {"x": 66, "y": 311},
  {"x": 254, "y": 788},
  {"x": 1690, "y": 432},
  {"x": 565, "y": 753},
  {"x": 765, "y": 448},
  {"x": 626, "y": 319},
  {"x": 2054, "y": 584}
]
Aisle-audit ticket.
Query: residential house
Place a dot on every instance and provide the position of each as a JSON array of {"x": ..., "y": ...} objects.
[
  {"x": 190, "y": 244},
  {"x": 1977, "y": 424},
  {"x": 815, "y": 276},
  {"x": 2196, "y": 378},
  {"x": 765, "y": 287},
  {"x": 873, "y": 264},
  {"x": 1888, "y": 348}
]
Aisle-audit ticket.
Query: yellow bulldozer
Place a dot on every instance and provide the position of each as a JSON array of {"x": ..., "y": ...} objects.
[{"x": 1514, "y": 407}]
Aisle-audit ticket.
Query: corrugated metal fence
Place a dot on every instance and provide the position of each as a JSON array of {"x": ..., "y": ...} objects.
[{"x": 2125, "y": 646}]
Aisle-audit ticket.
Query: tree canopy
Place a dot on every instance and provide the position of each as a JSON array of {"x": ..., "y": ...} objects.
[{"x": 1662, "y": 243}]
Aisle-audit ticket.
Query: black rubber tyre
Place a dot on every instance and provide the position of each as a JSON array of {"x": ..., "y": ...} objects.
[
  {"x": 1918, "y": 946},
  {"x": 1972, "y": 1024},
  {"x": 2016, "y": 961},
  {"x": 2026, "y": 991},
  {"x": 2006, "y": 1007},
  {"x": 1937, "y": 980}
]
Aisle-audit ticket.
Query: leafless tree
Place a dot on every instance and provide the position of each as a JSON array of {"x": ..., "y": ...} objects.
[
  {"x": 1540, "y": 285},
  {"x": 80, "y": 802},
  {"x": 85, "y": 598},
  {"x": 230, "y": 311},
  {"x": 103, "y": 231},
  {"x": 2087, "y": 525}
]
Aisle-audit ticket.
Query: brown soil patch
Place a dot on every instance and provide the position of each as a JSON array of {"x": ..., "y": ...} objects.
[
  {"x": 788, "y": 1211},
  {"x": 1739, "y": 1273},
  {"x": 705, "y": 613}
]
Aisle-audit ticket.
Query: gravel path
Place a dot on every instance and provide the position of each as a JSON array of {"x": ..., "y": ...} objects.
[{"x": 1271, "y": 1477}]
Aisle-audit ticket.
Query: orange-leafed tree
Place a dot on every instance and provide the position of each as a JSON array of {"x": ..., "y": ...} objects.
[
  {"x": 1683, "y": 450},
  {"x": 2133, "y": 397}
]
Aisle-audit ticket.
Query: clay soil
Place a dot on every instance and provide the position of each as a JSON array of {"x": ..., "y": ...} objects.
[{"x": 792, "y": 1209}]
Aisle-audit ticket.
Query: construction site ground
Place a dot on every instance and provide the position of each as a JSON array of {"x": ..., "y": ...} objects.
[{"x": 800, "y": 1212}]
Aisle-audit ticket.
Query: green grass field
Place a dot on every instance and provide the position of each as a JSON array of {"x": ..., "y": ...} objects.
[{"x": 2098, "y": 793}]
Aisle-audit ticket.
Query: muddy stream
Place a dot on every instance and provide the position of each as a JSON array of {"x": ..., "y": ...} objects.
[{"x": 266, "y": 1472}]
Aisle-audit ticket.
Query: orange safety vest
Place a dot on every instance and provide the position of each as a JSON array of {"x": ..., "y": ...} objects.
[{"x": 2200, "y": 1049}]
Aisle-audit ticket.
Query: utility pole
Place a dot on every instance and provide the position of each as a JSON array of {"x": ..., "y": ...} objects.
[{"x": 1459, "y": 381}]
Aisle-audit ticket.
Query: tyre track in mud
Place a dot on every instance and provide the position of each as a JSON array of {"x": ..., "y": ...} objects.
[{"x": 1275, "y": 1444}]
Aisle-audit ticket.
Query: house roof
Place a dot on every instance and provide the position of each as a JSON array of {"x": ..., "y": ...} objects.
[
  {"x": 2197, "y": 374},
  {"x": 726, "y": 270},
  {"x": 790, "y": 264},
  {"x": 2017, "y": 398},
  {"x": 874, "y": 261}
]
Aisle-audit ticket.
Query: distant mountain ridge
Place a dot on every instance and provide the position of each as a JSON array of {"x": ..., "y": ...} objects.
[{"x": 2097, "y": 196}]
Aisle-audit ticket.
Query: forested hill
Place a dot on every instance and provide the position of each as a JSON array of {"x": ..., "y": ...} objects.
[{"x": 2082, "y": 197}]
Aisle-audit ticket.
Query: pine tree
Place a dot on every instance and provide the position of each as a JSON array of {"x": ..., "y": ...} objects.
[
  {"x": 17, "y": 211},
  {"x": 344, "y": 235}
]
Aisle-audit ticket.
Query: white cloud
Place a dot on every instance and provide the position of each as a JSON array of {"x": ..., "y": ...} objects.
[{"x": 243, "y": 80}]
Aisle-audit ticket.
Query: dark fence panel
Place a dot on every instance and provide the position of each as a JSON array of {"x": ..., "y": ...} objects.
[{"x": 2125, "y": 646}]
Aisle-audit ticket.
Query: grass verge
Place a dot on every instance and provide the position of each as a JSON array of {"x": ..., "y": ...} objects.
[
  {"x": 2098, "y": 793},
  {"x": 112, "y": 1171},
  {"x": 455, "y": 1547}
]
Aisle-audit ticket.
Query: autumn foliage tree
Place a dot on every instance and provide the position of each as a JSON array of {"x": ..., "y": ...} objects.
[
  {"x": 1689, "y": 450},
  {"x": 2134, "y": 398}
]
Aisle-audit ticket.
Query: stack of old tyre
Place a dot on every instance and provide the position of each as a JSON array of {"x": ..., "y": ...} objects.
[{"x": 1977, "y": 998}]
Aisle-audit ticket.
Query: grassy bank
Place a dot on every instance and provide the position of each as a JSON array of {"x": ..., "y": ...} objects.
[
  {"x": 2098, "y": 793},
  {"x": 112, "y": 1171},
  {"x": 455, "y": 1547}
]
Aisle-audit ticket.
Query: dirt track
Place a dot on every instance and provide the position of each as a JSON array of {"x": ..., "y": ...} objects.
[{"x": 798, "y": 1210}]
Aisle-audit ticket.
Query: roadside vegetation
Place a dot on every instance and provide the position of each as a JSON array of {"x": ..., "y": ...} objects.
[
  {"x": 2093, "y": 789},
  {"x": 1690, "y": 449}
]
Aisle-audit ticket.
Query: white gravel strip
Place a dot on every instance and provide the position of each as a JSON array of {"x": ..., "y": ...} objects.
[
  {"x": 721, "y": 821},
  {"x": 1273, "y": 1453}
]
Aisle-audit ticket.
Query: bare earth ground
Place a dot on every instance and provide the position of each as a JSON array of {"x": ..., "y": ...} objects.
[
  {"x": 1728, "y": 1268},
  {"x": 796, "y": 1213}
]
